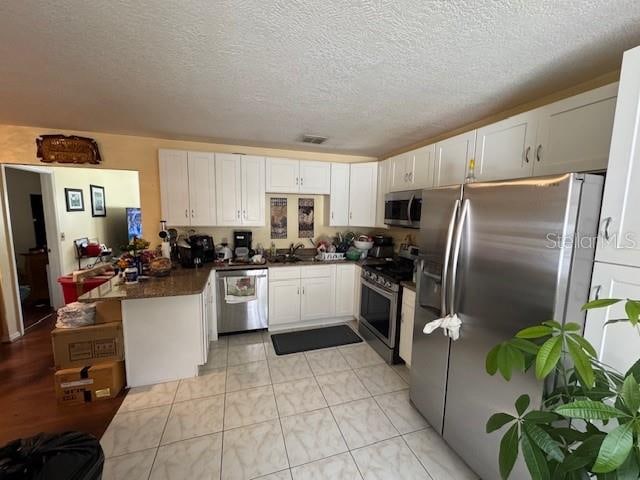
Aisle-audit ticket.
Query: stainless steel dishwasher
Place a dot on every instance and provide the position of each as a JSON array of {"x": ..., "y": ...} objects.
[{"x": 242, "y": 312}]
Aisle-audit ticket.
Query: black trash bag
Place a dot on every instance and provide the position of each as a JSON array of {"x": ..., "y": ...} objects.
[{"x": 63, "y": 456}]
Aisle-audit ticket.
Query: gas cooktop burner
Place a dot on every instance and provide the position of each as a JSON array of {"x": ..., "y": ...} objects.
[{"x": 389, "y": 274}]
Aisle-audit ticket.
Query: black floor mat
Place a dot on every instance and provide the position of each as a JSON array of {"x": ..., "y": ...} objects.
[{"x": 304, "y": 340}]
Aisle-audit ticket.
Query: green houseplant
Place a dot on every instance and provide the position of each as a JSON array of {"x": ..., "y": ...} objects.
[{"x": 588, "y": 425}]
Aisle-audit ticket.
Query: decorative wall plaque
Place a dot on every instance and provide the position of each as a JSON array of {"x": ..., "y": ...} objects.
[
  {"x": 278, "y": 218},
  {"x": 67, "y": 149},
  {"x": 305, "y": 217}
]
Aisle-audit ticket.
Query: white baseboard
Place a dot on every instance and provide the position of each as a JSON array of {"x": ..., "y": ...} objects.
[
  {"x": 12, "y": 337},
  {"x": 309, "y": 323}
]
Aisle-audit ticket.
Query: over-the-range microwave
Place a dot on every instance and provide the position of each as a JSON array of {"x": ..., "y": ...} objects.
[{"x": 403, "y": 209}]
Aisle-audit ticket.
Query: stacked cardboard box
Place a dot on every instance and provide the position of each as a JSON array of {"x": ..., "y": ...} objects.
[{"x": 90, "y": 360}]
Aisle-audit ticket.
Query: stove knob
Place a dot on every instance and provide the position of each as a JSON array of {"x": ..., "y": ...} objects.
[
  {"x": 374, "y": 277},
  {"x": 387, "y": 284}
]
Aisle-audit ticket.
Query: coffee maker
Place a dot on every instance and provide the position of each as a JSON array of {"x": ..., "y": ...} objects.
[{"x": 242, "y": 244}]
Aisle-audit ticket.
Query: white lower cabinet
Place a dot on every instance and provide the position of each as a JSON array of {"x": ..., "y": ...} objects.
[
  {"x": 284, "y": 301},
  {"x": 345, "y": 291},
  {"x": 310, "y": 294},
  {"x": 407, "y": 315},
  {"x": 617, "y": 344}
]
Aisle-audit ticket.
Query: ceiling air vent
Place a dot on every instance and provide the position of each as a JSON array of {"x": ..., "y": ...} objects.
[{"x": 315, "y": 139}]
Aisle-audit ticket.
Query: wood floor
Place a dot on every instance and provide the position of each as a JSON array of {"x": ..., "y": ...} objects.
[{"x": 27, "y": 398}]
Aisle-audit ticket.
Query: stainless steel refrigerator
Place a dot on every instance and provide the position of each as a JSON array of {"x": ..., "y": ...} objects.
[{"x": 503, "y": 256}]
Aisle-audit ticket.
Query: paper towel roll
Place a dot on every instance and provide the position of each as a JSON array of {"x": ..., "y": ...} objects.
[{"x": 166, "y": 249}]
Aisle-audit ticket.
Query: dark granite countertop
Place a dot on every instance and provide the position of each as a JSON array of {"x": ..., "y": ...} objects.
[{"x": 181, "y": 281}]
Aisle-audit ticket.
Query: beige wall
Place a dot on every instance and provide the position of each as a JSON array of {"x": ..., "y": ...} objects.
[
  {"x": 20, "y": 185},
  {"x": 121, "y": 191}
]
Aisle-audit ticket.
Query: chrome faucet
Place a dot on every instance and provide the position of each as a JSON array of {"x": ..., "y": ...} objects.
[{"x": 294, "y": 248}]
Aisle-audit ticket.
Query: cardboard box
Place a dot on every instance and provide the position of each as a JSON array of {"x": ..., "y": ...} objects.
[
  {"x": 89, "y": 384},
  {"x": 108, "y": 311},
  {"x": 82, "y": 346}
]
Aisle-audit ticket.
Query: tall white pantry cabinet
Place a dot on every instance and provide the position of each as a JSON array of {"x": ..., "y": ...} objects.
[{"x": 616, "y": 272}]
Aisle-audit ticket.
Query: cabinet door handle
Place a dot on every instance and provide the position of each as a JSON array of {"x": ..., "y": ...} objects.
[
  {"x": 238, "y": 214},
  {"x": 331, "y": 214},
  {"x": 301, "y": 180},
  {"x": 193, "y": 214},
  {"x": 296, "y": 180},
  {"x": 298, "y": 290},
  {"x": 410, "y": 176},
  {"x": 303, "y": 290},
  {"x": 350, "y": 214},
  {"x": 539, "y": 152},
  {"x": 186, "y": 213},
  {"x": 596, "y": 295},
  {"x": 244, "y": 214},
  {"x": 605, "y": 228},
  {"x": 526, "y": 154}
]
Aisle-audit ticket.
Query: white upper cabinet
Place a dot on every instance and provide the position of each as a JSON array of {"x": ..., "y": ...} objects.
[
  {"x": 617, "y": 344},
  {"x": 575, "y": 133},
  {"x": 424, "y": 162},
  {"x": 619, "y": 237},
  {"x": 174, "y": 186},
  {"x": 253, "y": 194},
  {"x": 452, "y": 157},
  {"x": 240, "y": 194},
  {"x": 187, "y": 187},
  {"x": 315, "y": 178},
  {"x": 339, "y": 196},
  {"x": 384, "y": 182},
  {"x": 401, "y": 169},
  {"x": 283, "y": 175},
  {"x": 505, "y": 149},
  {"x": 228, "y": 189},
  {"x": 363, "y": 184},
  {"x": 202, "y": 194},
  {"x": 297, "y": 176}
]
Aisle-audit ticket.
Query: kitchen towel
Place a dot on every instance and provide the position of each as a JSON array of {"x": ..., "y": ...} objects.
[
  {"x": 450, "y": 324},
  {"x": 239, "y": 289}
]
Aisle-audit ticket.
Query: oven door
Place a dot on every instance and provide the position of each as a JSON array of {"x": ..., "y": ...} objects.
[{"x": 379, "y": 312}]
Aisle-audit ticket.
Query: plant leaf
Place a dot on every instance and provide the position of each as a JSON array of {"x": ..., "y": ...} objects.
[
  {"x": 600, "y": 303},
  {"x": 498, "y": 420},
  {"x": 491, "y": 363},
  {"x": 526, "y": 346},
  {"x": 614, "y": 449},
  {"x": 539, "y": 416},
  {"x": 584, "y": 343},
  {"x": 631, "y": 394},
  {"x": 632, "y": 307},
  {"x": 634, "y": 370},
  {"x": 629, "y": 470},
  {"x": 582, "y": 364},
  {"x": 533, "y": 457},
  {"x": 589, "y": 410},
  {"x": 504, "y": 362},
  {"x": 522, "y": 403},
  {"x": 535, "y": 332},
  {"x": 552, "y": 324},
  {"x": 548, "y": 357},
  {"x": 508, "y": 451},
  {"x": 544, "y": 441},
  {"x": 572, "y": 327}
]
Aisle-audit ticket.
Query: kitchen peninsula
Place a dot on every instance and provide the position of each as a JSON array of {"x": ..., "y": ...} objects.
[{"x": 169, "y": 321}]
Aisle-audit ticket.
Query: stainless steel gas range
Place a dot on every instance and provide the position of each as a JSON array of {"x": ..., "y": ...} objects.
[{"x": 381, "y": 301}]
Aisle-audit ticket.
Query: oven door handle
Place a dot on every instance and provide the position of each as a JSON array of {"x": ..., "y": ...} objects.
[{"x": 385, "y": 293}]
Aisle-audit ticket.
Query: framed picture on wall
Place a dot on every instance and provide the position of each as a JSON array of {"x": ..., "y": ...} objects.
[
  {"x": 98, "y": 205},
  {"x": 74, "y": 199}
]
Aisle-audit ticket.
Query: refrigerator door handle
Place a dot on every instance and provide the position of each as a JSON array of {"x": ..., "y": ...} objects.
[
  {"x": 447, "y": 257},
  {"x": 456, "y": 255}
]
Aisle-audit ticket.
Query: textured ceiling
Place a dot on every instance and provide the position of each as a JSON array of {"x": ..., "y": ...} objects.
[{"x": 371, "y": 75}]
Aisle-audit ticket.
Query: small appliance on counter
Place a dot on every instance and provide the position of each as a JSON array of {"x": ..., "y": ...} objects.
[
  {"x": 196, "y": 250},
  {"x": 224, "y": 252},
  {"x": 382, "y": 247},
  {"x": 242, "y": 240}
]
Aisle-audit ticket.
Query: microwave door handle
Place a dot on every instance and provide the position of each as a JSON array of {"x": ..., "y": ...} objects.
[
  {"x": 447, "y": 257},
  {"x": 456, "y": 254},
  {"x": 409, "y": 208}
]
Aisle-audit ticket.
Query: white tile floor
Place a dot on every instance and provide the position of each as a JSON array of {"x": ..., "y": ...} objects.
[{"x": 339, "y": 413}]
